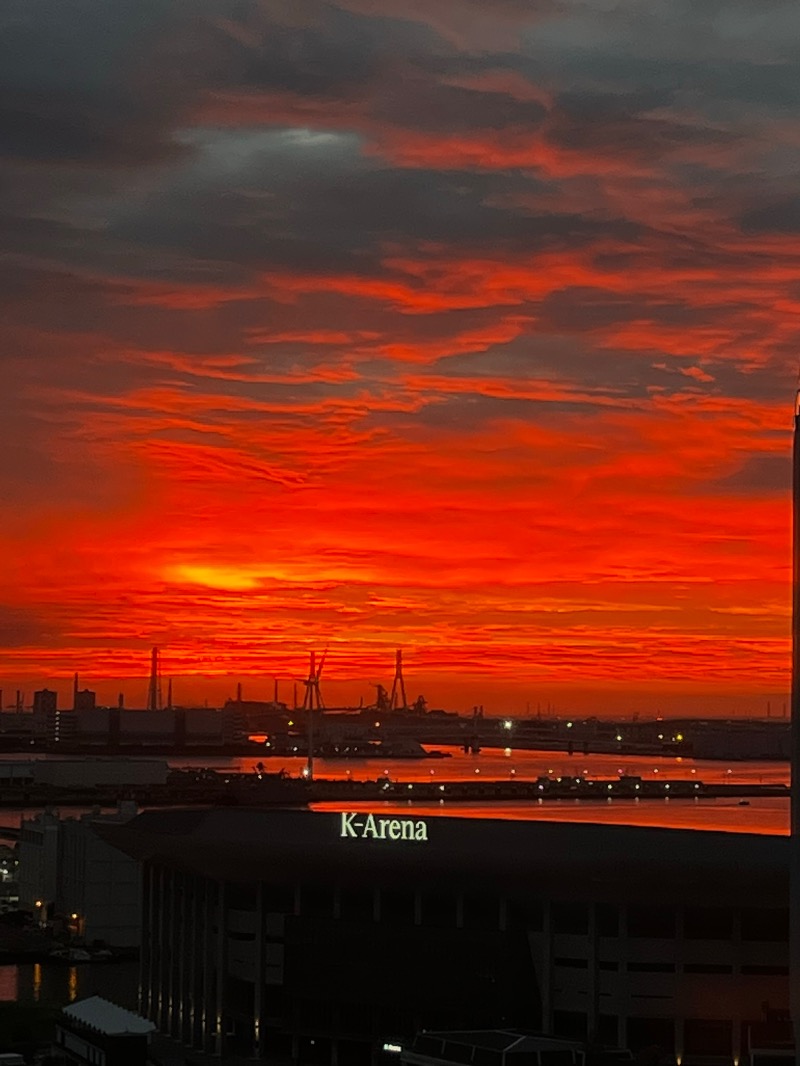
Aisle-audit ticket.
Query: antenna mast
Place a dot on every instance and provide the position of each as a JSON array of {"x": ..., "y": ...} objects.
[
  {"x": 154, "y": 689},
  {"x": 398, "y": 685}
]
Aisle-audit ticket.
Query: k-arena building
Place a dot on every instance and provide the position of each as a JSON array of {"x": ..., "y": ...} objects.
[{"x": 321, "y": 937}]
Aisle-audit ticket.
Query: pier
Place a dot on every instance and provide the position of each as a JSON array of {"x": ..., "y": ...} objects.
[{"x": 227, "y": 788}]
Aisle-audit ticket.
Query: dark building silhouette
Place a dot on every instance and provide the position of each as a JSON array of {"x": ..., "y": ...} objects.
[
  {"x": 85, "y": 700},
  {"x": 45, "y": 701},
  {"x": 310, "y": 937}
]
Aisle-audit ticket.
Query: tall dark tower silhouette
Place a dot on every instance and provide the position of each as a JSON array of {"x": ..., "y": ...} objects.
[
  {"x": 398, "y": 685},
  {"x": 794, "y": 890},
  {"x": 154, "y": 689},
  {"x": 312, "y": 703},
  {"x": 313, "y": 697}
]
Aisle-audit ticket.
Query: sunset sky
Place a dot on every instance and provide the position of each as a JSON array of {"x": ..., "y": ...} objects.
[{"x": 469, "y": 327}]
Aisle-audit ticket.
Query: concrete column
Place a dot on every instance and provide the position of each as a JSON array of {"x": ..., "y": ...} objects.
[
  {"x": 623, "y": 954},
  {"x": 258, "y": 986},
  {"x": 161, "y": 950},
  {"x": 207, "y": 1019},
  {"x": 679, "y": 1040},
  {"x": 146, "y": 950},
  {"x": 174, "y": 953},
  {"x": 193, "y": 989},
  {"x": 186, "y": 949},
  {"x": 680, "y": 955},
  {"x": 736, "y": 944},
  {"x": 209, "y": 942},
  {"x": 219, "y": 1048},
  {"x": 593, "y": 990},
  {"x": 546, "y": 968}
]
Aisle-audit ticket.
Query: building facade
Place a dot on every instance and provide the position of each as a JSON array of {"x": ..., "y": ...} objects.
[
  {"x": 316, "y": 937},
  {"x": 66, "y": 870}
]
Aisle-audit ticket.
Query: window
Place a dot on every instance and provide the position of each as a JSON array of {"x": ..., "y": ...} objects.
[
  {"x": 655, "y": 922},
  {"x": 766, "y": 971},
  {"x": 759, "y": 923},
  {"x": 708, "y": 923},
  {"x": 706, "y": 967},
  {"x": 703, "y": 1036},
  {"x": 651, "y": 1032},
  {"x": 237, "y": 990},
  {"x": 651, "y": 967},
  {"x": 607, "y": 919},
  {"x": 570, "y": 918},
  {"x": 608, "y": 1029},
  {"x": 531, "y": 915}
]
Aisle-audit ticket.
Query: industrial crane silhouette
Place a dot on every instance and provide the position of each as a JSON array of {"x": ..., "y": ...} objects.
[
  {"x": 398, "y": 685},
  {"x": 312, "y": 701}
]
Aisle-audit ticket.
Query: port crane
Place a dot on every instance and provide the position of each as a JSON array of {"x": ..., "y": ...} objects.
[
  {"x": 312, "y": 701},
  {"x": 313, "y": 698}
]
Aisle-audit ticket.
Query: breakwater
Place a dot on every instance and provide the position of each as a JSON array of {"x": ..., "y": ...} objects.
[{"x": 223, "y": 788}]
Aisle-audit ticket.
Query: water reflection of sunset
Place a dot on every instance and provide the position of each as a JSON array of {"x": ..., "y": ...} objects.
[
  {"x": 495, "y": 764},
  {"x": 770, "y": 816}
]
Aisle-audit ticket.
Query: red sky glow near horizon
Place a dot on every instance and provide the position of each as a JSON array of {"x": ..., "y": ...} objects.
[{"x": 465, "y": 328}]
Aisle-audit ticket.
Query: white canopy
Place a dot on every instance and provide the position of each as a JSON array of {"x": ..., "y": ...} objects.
[{"x": 106, "y": 1017}]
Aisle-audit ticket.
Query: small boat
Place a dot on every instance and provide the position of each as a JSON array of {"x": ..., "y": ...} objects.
[{"x": 70, "y": 955}]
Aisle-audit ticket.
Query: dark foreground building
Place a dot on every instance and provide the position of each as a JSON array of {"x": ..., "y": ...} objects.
[{"x": 319, "y": 937}]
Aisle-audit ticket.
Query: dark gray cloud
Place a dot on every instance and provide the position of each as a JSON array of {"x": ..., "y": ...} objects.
[
  {"x": 760, "y": 475},
  {"x": 776, "y": 217},
  {"x": 84, "y": 83},
  {"x": 20, "y": 627}
]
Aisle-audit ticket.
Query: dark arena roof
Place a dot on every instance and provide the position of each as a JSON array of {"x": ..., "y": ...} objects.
[{"x": 564, "y": 860}]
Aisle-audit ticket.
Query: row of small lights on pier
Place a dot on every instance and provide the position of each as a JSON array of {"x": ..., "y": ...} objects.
[{"x": 508, "y": 725}]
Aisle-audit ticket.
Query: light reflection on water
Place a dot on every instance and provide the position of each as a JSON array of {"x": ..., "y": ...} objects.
[
  {"x": 493, "y": 763},
  {"x": 769, "y": 815},
  {"x": 56, "y": 985},
  {"x": 497, "y": 763}
]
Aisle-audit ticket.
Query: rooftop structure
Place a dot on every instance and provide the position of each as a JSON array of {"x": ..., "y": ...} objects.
[
  {"x": 103, "y": 1016},
  {"x": 96, "y": 1032}
]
